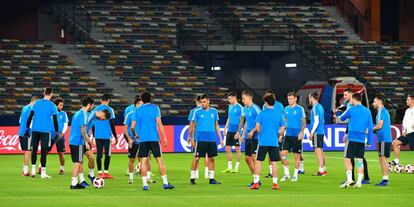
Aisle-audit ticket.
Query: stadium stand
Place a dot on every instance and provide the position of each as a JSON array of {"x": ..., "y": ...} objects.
[
  {"x": 387, "y": 67},
  {"x": 142, "y": 51},
  {"x": 26, "y": 68}
]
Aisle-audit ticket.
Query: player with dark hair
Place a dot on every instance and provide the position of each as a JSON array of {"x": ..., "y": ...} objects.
[
  {"x": 383, "y": 130},
  {"x": 25, "y": 135},
  {"x": 80, "y": 142},
  {"x": 128, "y": 110},
  {"x": 232, "y": 131},
  {"x": 42, "y": 114},
  {"x": 318, "y": 132},
  {"x": 146, "y": 121},
  {"x": 268, "y": 123},
  {"x": 279, "y": 108},
  {"x": 407, "y": 136},
  {"x": 191, "y": 132},
  {"x": 92, "y": 117},
  {"x": 132, "y": 142},
  {"x": 346, "y": 105},
  {"x": 103, "y": 131},
  {"x": 360, "y": 121},
  {"x": 59, "y": 137},
  {"x": 206, "y": 127}
]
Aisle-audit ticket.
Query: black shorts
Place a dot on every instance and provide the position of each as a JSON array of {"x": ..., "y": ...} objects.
[
  {"x": 317, "y": 141},
  {"x": 384, "y": 149},
  {"x": 202, "y": 148},
  {"x": 292, "y": 144},
  {"x": 409, "y": 139},
  {"x": 60, "y": 144},
  {"x": 230, "y": 141},
  {"x": 354, "y": 150},
  {"x": 77, "y": 152},
  {"x": 145, "y": 148},
  {"x": 281, "y": 143},
  {"x": 132, "y": 152},
  {"x": 25, "y": 143},
  {"x": 273, "y": 152},
  {"x": 250, "y": 147}
]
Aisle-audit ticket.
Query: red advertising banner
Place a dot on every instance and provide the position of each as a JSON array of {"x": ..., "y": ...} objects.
[
  {"x": 176, "y": 139},
  {"x": 10, "y": 144}
]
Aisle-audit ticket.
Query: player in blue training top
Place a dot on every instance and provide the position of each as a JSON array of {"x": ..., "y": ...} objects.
[
  {"x": 43, "y": 111},
  {"x": 383, "y": 130},
  {"x": 295, "y": 118},
  {"x": 132, "y": 142},
  {"x": 279, "y": 108},
  {"x": 191, "y": 133},
  {"x": 346, "y": 105},
  {"x": 250, "y": 112},
  {"x": 104, "y": 131},
  {"x": 145, "y": 124},
  {"x": 127, "y": 110},
  {"x": 232, "y": 130},
  {"x": 131, "y": 107},
  {"x": 58, "y": 138},
  {"x": 269, "y": 123},
  {"x": 206, "y": 130},
  {"x": 360, "y": 122},
  {"x": 80, "y": 143},
  {"x": 25, "y": 135},
  {"x": 318, "y": 132}
]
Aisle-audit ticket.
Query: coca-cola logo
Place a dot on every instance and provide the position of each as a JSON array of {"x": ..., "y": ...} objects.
[
  {"x": 122, "y": 143},
  {"x": 9, "y": 142}
]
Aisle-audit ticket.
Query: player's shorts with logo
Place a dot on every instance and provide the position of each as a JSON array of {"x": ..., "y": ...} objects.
[
  {"x": 354, "y": 150},
  {"x": 318, "y": 140},
  {"x": 384, "y": 149},
  {"x": 60, "y": 144},
  {"x": 202, "y": 148},
  {"x": 133, "y": 151},
  {"x": 292, "y": 144},
  {"x": 272, "y": 151},
  {"x": 145, "y": 148},
  {"x": 250, "y": 147},
  {"x": 25, "y": 143},
  {"x": 230, "y": 141},
  {"x": 77, "y": 152},
  {"x": 409, "y": 139}
]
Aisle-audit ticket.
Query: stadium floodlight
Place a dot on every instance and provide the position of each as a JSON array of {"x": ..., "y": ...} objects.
[
  {"x": 290, "y": 65},
  {"x": 216, "y": 68}
]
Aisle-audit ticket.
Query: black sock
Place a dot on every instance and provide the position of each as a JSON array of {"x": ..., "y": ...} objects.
[
  {"x": 353, "y": 169},
  {"x": 99, "y": 163},
  {"x": 366, "y": 176},
  {"x": 107, "y": 161}
]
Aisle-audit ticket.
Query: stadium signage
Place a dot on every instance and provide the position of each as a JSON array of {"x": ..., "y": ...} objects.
[{"x": 177, "y": 139}]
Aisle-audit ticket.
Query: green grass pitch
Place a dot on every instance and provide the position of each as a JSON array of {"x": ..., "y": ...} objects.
[{"x": 16, "y": 190}]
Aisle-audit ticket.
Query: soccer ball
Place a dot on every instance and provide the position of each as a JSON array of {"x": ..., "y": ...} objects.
[
  {"x": 399, "y": 168},
  {"x": 409, "y": 168},
  {"x": 98, "y": 183},
  {"x": 390, "y": 168},
  {"x": 138, "y": 169}
]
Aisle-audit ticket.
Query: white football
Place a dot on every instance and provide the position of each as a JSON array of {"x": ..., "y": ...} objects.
[
  {"x": 98, "y": 182},
  {"x": 399, "y": 168},
  {"x": 409, "y": 168}
]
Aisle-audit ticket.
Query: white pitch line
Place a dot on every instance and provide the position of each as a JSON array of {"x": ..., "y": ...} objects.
[
  {"x": 338, "y": 158},
  {"x": 200, "y": 196}
]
